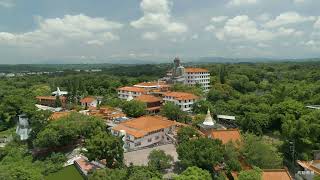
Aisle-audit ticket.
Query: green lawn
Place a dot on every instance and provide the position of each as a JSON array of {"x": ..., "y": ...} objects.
[{"x": 67, "y": 173}]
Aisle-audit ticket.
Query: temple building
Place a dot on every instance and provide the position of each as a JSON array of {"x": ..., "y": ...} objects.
[
  {"x": 153, "y": 103},
  {"x": 209, "y": 124},
  {"x": 145, "y": 131},
  {"x": 159, "y": 86},
  {"x": 189, "y": 76},
  {"x": 51, "y": 101},
  {"x": 125, "y": 92}
]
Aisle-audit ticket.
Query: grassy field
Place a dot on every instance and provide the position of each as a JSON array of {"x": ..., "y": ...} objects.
[{"x": 67, "y": 173}]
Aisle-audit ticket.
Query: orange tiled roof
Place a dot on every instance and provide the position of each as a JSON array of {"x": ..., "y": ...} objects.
[
  {"x": 132, "y": 89},
  {"x": 152, "y": 84},
  {"x": 148, "y": 98},
  {"x": 270, "y": 174},
  {"x": 141, "y": 126},
  {"x": 226, "y": 135},
  {"x": 311, "y": 165},
  {"x": 50, "y": 97},
  {"x": 85, "y": 165},
  {"x": 58, "y": 115},
  {"x": 276, "y": 174},
  {"x": 181, "y": 95},
  {"x": 87, "y": 100},
  {"x": 195, "y": 70}
]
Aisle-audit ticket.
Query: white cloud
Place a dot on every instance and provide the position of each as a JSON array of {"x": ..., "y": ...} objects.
[
  {"x": 210, "y": 28},
  {"x": 157, "y": 16},
  {"x": 195, "y": 36},
  {"x": 218, "y": 19},
  {"x": 7, "y": 3},
  {"x": 289, "y": 32},
  {"x": 316, "y": 25},
  {"x": 299, "y": 1},
  {"x": 241, "y": 27},
  {"x": 264, "y": 17},
  {"x": 77, "y": 28},
  {"x": 150, "y": 36},
  {"x": 288, "y": 18},
  {"x": 242, "y": 2},
  {"x": 263, "y": 45}
]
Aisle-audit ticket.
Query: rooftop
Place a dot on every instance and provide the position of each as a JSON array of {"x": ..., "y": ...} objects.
[
  {"x": 278, "y": 174},
  {"x": 50, "y": 97},
  {"x": 148, "y": 98},
  {"x": 85, "y": 165},
  {"x": 311, "y": 165},
  {"x": 87, "y": 100},
  {"x": 181, "y": 95},
  {"x": 152, "y": 84},
  {"x": 195, "y": 70},
  {"x": 270, "y": 174},
  {"x": 58, "y": 115},
  {"x": 141, "y": 126},
  {"x": 226, "y": 135},
  {"x": 132, "y": 89}
]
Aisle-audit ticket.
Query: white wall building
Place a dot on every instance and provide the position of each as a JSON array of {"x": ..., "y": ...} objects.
[
  {"x": 125, "y": 92},
  {"x": 145, "y": 131},
  {"x": 199, "y": 76},
  {"x": 181, "y": 99},
  {"x": 189, "y": 76},
  {"x": 89, "y": 102}
]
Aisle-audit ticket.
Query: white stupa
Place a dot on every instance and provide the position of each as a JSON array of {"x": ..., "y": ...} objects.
[
  {"x": 208, "y": 121},
  {"x": 130, "y": 98}
]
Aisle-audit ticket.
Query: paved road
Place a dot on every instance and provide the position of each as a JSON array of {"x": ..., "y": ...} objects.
[{"x": 140, "y": 157}]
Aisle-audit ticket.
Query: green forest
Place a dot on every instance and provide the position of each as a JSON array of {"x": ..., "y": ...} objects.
[{"x": 268, "y": 99}]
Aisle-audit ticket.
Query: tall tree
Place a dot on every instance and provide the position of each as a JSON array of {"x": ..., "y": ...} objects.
[
  {"x": 159, "y": 160},
  {"x": 105, "y": 146},
  {"x": 173, "y": 112},
  {"x": 194, "y": 173},
  {"x": 263, "y": 155},
  {"x": 134, "y": 108},
  {"x": 203, "y": 152},
  {"x": 253, "y": 174},
  {"x": 186, "y": 133}
]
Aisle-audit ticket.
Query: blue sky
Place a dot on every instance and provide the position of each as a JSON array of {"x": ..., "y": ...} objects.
[{"x": 83, "y": 31}]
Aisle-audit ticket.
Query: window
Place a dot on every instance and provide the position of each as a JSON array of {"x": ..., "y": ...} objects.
[
  {"x": 150, "y": 139},
  {"x": 137, "y": 144},
  {"x": 157, "y": 137}
]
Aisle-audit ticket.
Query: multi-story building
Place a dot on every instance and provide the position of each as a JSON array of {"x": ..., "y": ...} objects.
[
  {"x": 51, "y": 101},
  {"x": 153, "y": 103},
  {"x": 181, "y": 99},
  {"x": 189, "y": 76},
  {"x": 130, "y": 92},
  {"x": 199, "y": 76},
  {"x": 154, "y": 86},
  {"x": 145, "y": 131}
]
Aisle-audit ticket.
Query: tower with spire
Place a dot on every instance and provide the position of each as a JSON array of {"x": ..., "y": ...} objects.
[{"x": 209, "y": 123}]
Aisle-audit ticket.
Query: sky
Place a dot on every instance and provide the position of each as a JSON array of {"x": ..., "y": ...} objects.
[{"x": 98, "y": 31}]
